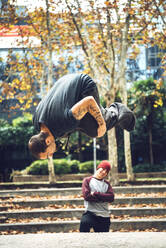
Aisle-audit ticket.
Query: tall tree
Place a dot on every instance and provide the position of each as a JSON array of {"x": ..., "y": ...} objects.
[
  {"x": 106, "y": 31},
  {"x": 50, "y": 82},
  {"x": 147, "y": 95},
  {"x": 103, "y": 35}
]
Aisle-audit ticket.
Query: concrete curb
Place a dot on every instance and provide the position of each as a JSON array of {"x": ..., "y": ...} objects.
[{"x": 76, "y": 177}]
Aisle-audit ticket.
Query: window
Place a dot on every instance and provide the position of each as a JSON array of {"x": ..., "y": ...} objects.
[{"x": 153, "y": 57}]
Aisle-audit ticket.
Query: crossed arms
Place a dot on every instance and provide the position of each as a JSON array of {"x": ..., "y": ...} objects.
[
  {"x": 96, "y": 196},
  {"x": 88, "y": 104}
]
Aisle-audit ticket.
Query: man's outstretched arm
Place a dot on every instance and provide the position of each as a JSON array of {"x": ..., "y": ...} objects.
[{"x": 89, "y": 105}]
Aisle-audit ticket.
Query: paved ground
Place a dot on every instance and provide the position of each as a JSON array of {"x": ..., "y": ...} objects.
[{"x": 85, "y": 240}]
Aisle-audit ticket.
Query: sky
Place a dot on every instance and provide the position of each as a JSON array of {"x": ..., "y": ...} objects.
[{"x": 29, "y": 3}]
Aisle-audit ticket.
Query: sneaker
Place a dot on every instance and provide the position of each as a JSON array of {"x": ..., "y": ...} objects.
[{"x": 119, "y": 114}]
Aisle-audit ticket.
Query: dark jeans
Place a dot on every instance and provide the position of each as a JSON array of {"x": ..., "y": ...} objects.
[
  {"x": 90, "y": 220},
  {"x": 88, "y": 124},
  {"x": 116, "y": 114}
]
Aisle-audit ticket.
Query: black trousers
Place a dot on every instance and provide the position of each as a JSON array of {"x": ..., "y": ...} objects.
[
  {"x": 90, "y": 220},
  {"x": 115, "y": 114}
]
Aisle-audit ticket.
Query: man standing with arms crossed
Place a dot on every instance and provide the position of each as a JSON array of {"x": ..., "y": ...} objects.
[{"x": 97, "y": 193}]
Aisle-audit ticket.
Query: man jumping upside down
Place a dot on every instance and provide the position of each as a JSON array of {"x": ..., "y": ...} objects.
[{"x": 73, "y": 104}]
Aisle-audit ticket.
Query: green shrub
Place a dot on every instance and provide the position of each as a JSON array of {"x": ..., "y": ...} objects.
[
  {"x": 38, "y": 167},
  {"x": 74, "y": 166},
  {"x": 23, "y": 121},
  {"x": 62, "y": 166},
  {"x": 148, "y": 168},
  {"x": 10, "y": 135},
  {"x": 4, "y": 123},
  {"x": 88, "y": 166}
]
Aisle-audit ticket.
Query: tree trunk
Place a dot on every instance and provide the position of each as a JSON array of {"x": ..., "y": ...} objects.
[
  {"x": 50, "y": 66},
  {"x": 150, "y": 121},
  {"x": 49, "y": 45},
  {"x": 113, "y": 157},
  {"x": 123, "y": 89},
  {"x": 51, "y": 172},
  {"x": 80, "y": 146},
  {"x": 127, "y": 148},
  {"x": 150, "y": 147},
  {"x": 128, "y": 160}
]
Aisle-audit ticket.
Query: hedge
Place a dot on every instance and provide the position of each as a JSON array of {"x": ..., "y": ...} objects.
[
  {"x": 65, "y": 166},
  {"x": 149, "y": 168},
  {"x": 61, "y": 166},
  {"x": 87, "y": 166}
]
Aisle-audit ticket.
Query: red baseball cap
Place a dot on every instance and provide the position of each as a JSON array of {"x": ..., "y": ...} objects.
[{"x": 105, "y": 165}]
